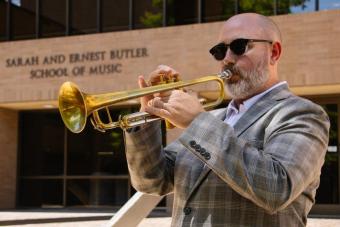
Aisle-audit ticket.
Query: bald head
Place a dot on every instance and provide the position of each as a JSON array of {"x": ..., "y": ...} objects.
[
  {"x": 252, "y": 24},
  {"x": 256, "y": 67}
]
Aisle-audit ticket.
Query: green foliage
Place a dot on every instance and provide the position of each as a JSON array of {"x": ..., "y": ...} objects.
[
  {"x": 265, "y": 7},
  {"x": 157, "y": 3},
  {"x": 152, "y": 19},
  {"x": 116, "y": 141},
  {"x": 227, "y": 8}
]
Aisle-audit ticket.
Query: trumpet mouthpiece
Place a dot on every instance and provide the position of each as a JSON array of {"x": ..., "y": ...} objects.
[{"x": 226, "y": 74}]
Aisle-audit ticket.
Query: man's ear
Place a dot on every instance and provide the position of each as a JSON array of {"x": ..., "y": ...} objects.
[{"x": 276, "y": 53}]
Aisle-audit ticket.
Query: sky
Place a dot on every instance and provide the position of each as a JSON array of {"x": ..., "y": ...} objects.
[{"x": 323, "y": 5}]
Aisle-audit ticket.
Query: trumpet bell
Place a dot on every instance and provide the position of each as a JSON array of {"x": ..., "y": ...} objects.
[{"x": 72, "y": 107}]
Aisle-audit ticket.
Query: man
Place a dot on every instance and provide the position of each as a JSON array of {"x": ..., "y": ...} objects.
[{"x": 255, "y": 163}]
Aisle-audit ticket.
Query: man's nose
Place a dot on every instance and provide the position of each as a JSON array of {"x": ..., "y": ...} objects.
[{"x": 229, "y": 58}]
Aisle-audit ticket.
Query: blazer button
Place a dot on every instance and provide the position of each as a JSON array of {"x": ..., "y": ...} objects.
[
  {"x": 197, "y": 147},
  {"x": 207, "y": 156},
  {"x": 192, "y": 143},
  {"x": 187, "y": 210},
  {"x": 202, "y": 151}
]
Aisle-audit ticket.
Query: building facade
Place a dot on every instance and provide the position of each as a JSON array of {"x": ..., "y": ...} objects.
[{"x": 103, "y": 46}]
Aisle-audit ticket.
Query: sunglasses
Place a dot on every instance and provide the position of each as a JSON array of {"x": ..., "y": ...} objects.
[{"x": 237, "y": 46}]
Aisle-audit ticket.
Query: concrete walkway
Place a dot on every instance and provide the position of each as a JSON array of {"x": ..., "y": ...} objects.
[{"x": 71, "y": 218}]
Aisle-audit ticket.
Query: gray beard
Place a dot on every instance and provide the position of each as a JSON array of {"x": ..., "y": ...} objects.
[{"x": 250, "y": 82}]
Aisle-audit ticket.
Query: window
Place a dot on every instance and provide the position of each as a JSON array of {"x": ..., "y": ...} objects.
[
  {"x": 58, "y": 168},
  {"x": 115, "y": 15},
  {"x": 92, "y": 16},
  {"x": 182, "y": 12},
  {"x": 83, "y": 16},
  {"x": 262, "y": 7},
  {"x": 3, "y": 19},
  {"x": 92, "y": 152},
  {"x": 327, "y": 199},
  {"x": 52, "y": 18},
  {"x": 23, "y": 19},
  {"x": 328, "y": 191},
  {"x": 97, "y": 192},
  {"x": 44, "y": 193},
  {"x": 42, "y": 144},
  {"x": 148, "y": 14},
  {"x": 217, "y": 10}
]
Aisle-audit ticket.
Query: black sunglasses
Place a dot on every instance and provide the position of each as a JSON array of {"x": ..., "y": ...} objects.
[{"x": 237, "y": 46}]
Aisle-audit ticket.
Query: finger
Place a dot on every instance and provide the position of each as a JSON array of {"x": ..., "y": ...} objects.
[
  {"x": 160, "y": 104},
  {"x": 163, "y": 94},
  {"x": 168, "y": 69},
  {"x": 143, "y": 100},
  {"x": 169, "y": 74},
  {"x": 192, "y": 92},
  {"x": 158, "y": 77},
  {"x": 155, "y": 76},
  {"x": 164, "y": 99},
  {"x": 175, "y": 77},
  {"x": 150, "y": 102},
  {"x": 157, "y": 111},
  {"x": 141, "y": 81},
  {"x": 163, "y": 72},
  {"x": 178, "y": 93},
  {"x": 157, "y": 103}
]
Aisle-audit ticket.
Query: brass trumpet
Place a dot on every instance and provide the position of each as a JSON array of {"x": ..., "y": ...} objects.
[{"x": 75, "y": 106}]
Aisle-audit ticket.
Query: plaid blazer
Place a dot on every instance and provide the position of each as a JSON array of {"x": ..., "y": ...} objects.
[{"x": 263, "y": 172}]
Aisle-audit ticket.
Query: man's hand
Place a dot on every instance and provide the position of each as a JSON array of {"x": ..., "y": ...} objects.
[
  {"x": 156, "y": 77},
  {"x": 180, "y": 109}
]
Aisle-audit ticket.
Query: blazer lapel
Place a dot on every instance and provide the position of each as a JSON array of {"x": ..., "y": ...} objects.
[{"x": 261, "y": 107}]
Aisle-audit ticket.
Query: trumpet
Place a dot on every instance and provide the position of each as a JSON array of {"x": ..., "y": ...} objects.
[{"x": 76, "y": 106}]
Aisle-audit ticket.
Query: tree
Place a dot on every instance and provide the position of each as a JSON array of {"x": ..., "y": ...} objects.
[{"x": 224, "y": 9}]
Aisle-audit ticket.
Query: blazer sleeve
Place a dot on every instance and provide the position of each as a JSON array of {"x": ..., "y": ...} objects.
[
  {"x": 295, "y": 143},
  {"x": 151, "y": 167}
]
